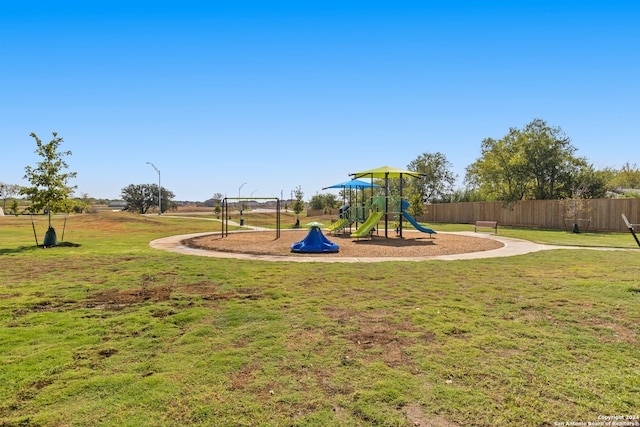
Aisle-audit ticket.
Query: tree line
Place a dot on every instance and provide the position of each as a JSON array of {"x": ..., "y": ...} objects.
[
  {"x": 533, "y": 163},
  {"x": 538, "y": 161}
]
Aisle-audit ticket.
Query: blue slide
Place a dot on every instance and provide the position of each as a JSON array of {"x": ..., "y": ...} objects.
[{"x": 412, "y": 220}]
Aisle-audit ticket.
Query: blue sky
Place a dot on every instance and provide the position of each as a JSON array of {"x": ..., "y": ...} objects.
[{"x": 280, "y": 94}]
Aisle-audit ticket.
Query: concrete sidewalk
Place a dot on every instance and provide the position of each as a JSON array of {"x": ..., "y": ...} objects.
[{"x": 511, "y": 247}]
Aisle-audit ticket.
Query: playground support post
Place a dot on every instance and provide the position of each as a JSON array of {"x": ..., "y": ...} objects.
[{"x": 400, "y": 209}]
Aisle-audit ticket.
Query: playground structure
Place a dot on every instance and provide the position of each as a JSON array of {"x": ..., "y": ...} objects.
[
  {"x": 366, "y": 213},
  {"x": 226, "y": 215},
  {"x": 371, "y": 213},
  {"x": 348, "y": 216},
  {"x": 355, "y": 212},
  {"x": 386, "y": 172},
  {"x": 385, "y": 206},
  {"x": 315, "y": 242}
]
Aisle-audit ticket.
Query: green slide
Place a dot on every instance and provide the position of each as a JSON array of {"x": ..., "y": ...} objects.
[
  {"x": 339, "y": 225},
  {"x": 364, "y": 229}
]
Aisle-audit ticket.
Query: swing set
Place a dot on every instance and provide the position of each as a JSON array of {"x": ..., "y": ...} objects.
[{"x": 226, "y": 216}]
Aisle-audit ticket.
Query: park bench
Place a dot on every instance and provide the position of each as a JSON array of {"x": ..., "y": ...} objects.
[{"x": 486, "y": 224}]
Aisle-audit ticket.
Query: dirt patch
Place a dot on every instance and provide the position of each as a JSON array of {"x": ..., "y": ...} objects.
[
  {"x": 413, "y": 244},
  {"x": 378, "y": 331},
  {"x": 419, "y": 419},
  {"x": 107, "y": 352},
  {"x": 115, "y": 299}
]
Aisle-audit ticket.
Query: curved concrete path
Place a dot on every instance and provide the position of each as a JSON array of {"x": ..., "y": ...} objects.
[{"x": 511, "y": 247}]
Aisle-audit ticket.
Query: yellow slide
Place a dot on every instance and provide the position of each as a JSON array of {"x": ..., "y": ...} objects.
[
  {"x": 338, "y": 225},
  {"x": 364, "y": 229}
]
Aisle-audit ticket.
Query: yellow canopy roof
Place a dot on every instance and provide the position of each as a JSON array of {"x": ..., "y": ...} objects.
[{"x": 385, "y": 172}]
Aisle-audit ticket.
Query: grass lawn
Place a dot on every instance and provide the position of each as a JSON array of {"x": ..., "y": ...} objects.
[{"x": 114, "y": 333}]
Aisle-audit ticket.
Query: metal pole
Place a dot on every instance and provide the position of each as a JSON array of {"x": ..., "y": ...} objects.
[
  {"x": 630, "y": 227},
  {"x": 277, "y": 218},
  {"x": 634, "y": 235},
  {"x": 386, "y": 204},
  {"x": 225, "y": 222},
  {"x": 159, "y": 189},
  {"x": 239, "y": 202},
  {"x": 400, "y": 214}
]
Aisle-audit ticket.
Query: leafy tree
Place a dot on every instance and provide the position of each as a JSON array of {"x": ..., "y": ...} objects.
[
  {"x": 323, "y": 201},
  {"x": 500, "y": 173},
  {"x": 79, "y": 207},
  {"x": 537, "y": 162},
  {"x": 50, "y": 187},
  {"x": 462, "y": 195},
  {"x": 83, "y": 203},
  {"x": 316, "y": 202},
  {"x": 589, "y": 183},
  {"x": 416, "y": 204},
  {"x": 139, "y": 197},
  {"x": 7, "y": 191},
  {"x": 298, "y": 205},
  {"x": 548, "y": 154},
  {"x": 438, "y": 178},
  {"x": 626, "y": 178},
  {"x": 142, "y": 197},
  {"x": 349, "y": 194}
]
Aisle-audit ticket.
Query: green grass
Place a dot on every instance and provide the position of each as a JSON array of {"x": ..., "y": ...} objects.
[
  {"x": 551, "y": 237},
  {"x": 113, "y": 332}
]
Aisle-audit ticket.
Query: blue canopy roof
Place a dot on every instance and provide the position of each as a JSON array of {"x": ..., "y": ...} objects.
[{"x": 354, "y": 183}]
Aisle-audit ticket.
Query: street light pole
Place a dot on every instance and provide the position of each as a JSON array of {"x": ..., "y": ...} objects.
[
  {"x": 239, "y": 203},
  {"x": 159, "y": 189}
]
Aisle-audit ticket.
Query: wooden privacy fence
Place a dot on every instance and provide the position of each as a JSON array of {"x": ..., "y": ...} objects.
[{"x": 591, "y": 214}]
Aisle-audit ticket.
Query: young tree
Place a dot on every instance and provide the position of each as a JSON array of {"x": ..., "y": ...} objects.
[
  {"x": 298, "y": 204},
  {"x": 50, "y": 187},
  {"x": 14, "y": 207}
]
